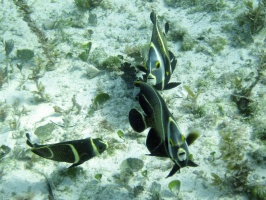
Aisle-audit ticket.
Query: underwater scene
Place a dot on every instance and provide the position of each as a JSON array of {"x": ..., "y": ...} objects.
[{"x": 133, "y": 99}]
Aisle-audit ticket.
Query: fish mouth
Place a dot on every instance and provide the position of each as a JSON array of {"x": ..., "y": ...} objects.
[
  {"x": 151, "y": 81},
  {"x": 151, "y": 77}
]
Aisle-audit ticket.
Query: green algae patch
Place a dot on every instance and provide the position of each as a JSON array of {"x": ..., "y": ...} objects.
[
  {"x": 120, "y": 134},
  {"x": 127, "y": 169},
  {"x": 174, "y": 186},
  {"x": 44, "y": 132},
  {"x": 112, "y": 63},
  {"x": 25, "y": 54},
  {"x": 87, "y": 4},
  {"x": 100, "y": 99},
  {"x": 133, "y": 164},
  {"x": 217, "y": 43}
]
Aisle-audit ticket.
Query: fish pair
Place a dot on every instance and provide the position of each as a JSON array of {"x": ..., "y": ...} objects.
[
  {"x": 161, "y": 62},
  {"x": 164, "y": 138},
  {"x": 75, "y": 151}
]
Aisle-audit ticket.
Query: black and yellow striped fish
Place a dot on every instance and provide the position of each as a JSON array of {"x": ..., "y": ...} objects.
[
  {"x": 76, "y": 151},
  {"x": 164, "y": 138},
  {"x": 160, "y": 62}
]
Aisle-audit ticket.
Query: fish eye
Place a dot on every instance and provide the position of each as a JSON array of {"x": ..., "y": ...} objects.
[
  {"x": 157, "y": 65},
  {"x": 100, "y": 148},
  {"x": 100, "y": 145},
  {"x": 181, "y": 154}
]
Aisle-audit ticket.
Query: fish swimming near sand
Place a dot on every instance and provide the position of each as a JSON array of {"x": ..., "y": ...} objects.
[
  {"x": 160, "y": 62},
  {"x": 75, "y": 151},
  {"x": 164, "y": 138}
]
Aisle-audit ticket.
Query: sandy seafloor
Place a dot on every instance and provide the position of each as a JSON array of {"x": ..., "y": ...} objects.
[{"x": 122, "y": 24}]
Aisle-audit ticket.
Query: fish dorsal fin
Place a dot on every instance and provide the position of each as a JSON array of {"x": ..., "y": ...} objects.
[
  {"x": 173, "y": 170},
  {"x": 172, "y": 60},
  {"x": 153, "y": 17},
  {"x": 145, "y": 105},
  {"x": 192, "y": 136},
  {"x": 155, "y": 145},
  {"x": 166, "y": 27},
  {"x": 137, "y": 120}
]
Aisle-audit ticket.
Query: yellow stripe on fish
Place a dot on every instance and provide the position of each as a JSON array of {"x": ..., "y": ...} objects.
[{"x": 75, "y": 151}]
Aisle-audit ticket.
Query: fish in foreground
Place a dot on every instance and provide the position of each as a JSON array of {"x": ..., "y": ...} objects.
[
  {"x": 160, "y": 62},
  {"x": 75, "y": 151},
  {"x": 164, "y": 138}
]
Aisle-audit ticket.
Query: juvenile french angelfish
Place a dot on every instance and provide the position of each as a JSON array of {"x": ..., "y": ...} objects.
[
  {"x": 164, "y": 138},
  {"x": 160, "y": 62},
  {"x": 75, "y": 151}
]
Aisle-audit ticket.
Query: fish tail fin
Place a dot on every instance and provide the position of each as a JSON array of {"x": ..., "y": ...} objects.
[
  {"x": 28, "y": 140},
  {"x": 137, "y": 120},
  {"x": 153, "y": 17},
  {"x": 30, "y": 143}
]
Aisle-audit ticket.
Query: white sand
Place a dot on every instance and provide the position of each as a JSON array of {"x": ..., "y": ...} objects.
[{"x": 124, "y": 23}]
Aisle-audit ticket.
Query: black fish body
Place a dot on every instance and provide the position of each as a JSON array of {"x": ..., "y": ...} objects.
[
  {"x": 164, "y": 138},
  {"x": 160, "y": 62},
  {"x": 156, "y": 115},
  {"x": 76, "y": 151}
]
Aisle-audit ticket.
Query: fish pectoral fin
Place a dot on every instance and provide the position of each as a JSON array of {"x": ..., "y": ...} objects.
[
  {"x": 190, "y": 163},
  {"x": 142, "y": 68},
  {"x": 192, "y": 136},
  {"x": 155, "y": 145},
  {"x": 173, "y": 170},
  {"x": 172, "y": 60},
  {"x": 137, "y": 120},
  {"x": 171, "y": 85}
]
